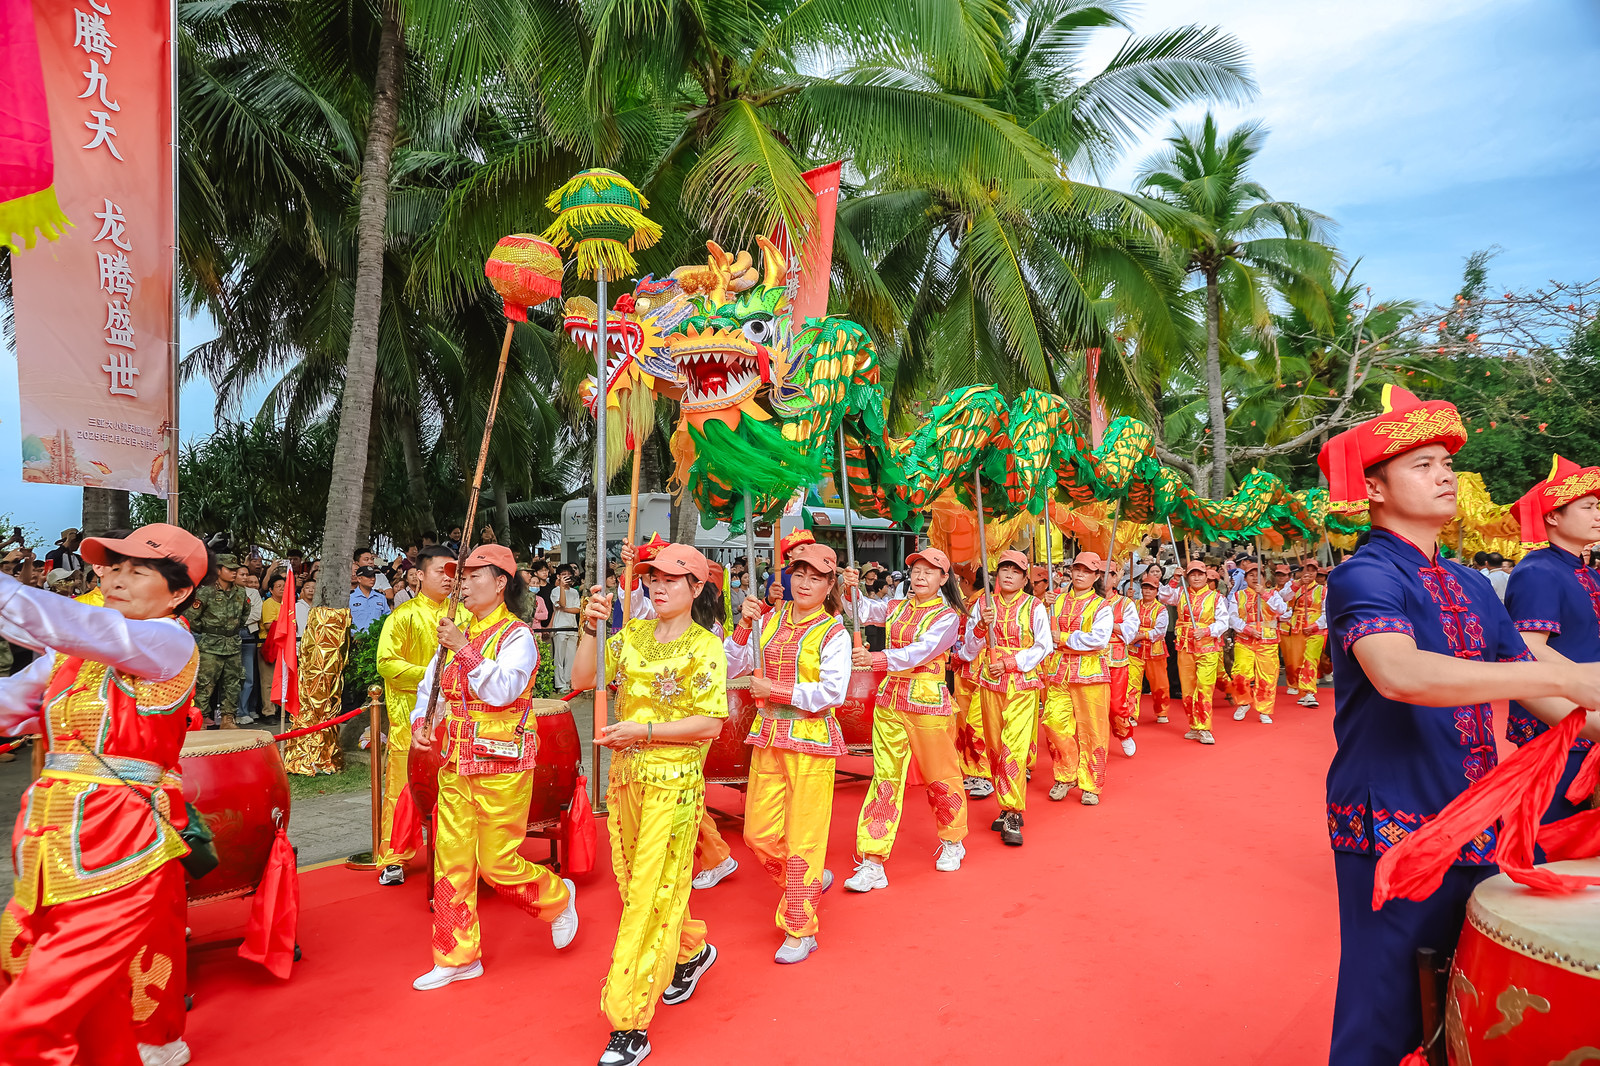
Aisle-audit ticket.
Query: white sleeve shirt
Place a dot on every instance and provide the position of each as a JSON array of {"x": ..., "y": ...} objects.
[
  {"x": 1130, "y": 623},
  {"x": 1028, "y": 658},
  {"x": 939, "y": 638},
  {"x": 867, "y": 611},
  {"x": 1098, "y": 636},
  {"x": 497, "y": 681},
  {"x": 155, "y": 649},
  {"x": 824, "y": 694}
]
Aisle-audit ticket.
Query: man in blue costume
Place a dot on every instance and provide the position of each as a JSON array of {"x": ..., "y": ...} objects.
[{"x": 1421, "y": 646}]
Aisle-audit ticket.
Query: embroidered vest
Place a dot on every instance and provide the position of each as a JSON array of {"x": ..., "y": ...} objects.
[
  {"x": 1148, "y": 613},
  {"x": 919, "y": 690},
  {"x": 1012, "y": 632},
  {"x": 82, "y": 831},
  {"x": 791, "y": 654},
  {"x": 1254, "y": 610},
  {"x": 1074, "y": 613},
  {"x": 1307, "y": 609},
  {"x": 1120, "y": 605},
  {"x": 469, "y": 717},
  {"x": 1197, "y": 611}
]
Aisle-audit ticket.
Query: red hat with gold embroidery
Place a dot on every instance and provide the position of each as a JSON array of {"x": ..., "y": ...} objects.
[
  {"x": 1566, "y": 483},
  {"x": 1406, "y": 423},
  {"x": 649, "y": 548}
]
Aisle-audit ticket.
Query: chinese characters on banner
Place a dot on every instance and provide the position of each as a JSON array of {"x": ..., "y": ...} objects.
[{"x": 94, "y": 309}]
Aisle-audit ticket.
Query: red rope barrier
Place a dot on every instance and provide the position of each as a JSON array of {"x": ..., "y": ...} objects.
[{"x": 343, "y": 718}]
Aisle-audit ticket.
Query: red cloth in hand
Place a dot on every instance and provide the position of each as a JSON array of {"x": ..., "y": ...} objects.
[
  {"x": 578, "y": 830},
  {"x": 1516, "y": 793},
  {"x": 405, "y": 828}
]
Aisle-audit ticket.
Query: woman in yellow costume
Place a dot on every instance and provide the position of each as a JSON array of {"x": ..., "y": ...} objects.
[
  {"x": 485, "y": 698},
  {"x": 912, "y": 719},
  {"x": 1077, "y": 697},
  {"x": 672, "y": 695},
  {"x": 805, "y": 655}
]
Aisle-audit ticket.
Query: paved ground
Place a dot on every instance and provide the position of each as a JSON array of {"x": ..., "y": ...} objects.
[{"x": 322, "y": 828}]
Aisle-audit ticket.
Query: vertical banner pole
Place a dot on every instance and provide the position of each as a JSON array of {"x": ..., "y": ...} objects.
[
  {"x": 750, "y": 567},
  {"x": 849, "y": 536},
  {"x": 983, "y": 547},
  {"x": 174, "y": 349}
]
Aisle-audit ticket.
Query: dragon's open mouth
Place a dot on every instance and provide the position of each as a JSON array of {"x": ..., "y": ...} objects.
[
  {"x": 715, "y": 379},
  {"x": 623, "y": 338}
]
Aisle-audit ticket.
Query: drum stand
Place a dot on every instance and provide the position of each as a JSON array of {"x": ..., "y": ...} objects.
[{"x": 1433, "y": 974}]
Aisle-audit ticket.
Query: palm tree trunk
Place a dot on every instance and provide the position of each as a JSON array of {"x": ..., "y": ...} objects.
[
  {"x": 103, "y": 511},
  {"x": 416, "y": 482},
  {"x": 346, "y": 491},
  {"x": 502, "y": 512},
  {"x": 369, "y": 481},
  {"x": 1218, "y": 416},
  {"x": 687, "y": 519}
]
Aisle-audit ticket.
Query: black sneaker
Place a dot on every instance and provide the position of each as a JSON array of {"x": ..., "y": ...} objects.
[
  {"x": 999, "y": 823},
  {"x": 626, "y": 1047},
  {"x": 1011, "y": 831},
  {"x": 392, "y": 875},
  {"x": 687, "y": 975}
]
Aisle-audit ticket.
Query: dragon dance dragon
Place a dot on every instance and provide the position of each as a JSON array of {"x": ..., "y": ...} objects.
[{"x": 760, "y": 403}]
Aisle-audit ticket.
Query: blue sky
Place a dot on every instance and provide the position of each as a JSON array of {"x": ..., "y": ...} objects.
[{"x": 1426, "y": 128}]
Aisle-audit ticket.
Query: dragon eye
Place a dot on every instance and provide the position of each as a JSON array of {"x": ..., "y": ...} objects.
[{"x": 758, "y": 330}]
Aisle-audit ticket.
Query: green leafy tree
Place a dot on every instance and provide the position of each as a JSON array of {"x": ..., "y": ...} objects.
[{"x": 1242, "y": 245}]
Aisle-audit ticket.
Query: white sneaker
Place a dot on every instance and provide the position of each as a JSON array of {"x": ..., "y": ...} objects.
[
  {"x": 982, "y": 787},
  {"x": 1193, "y": 734},
  {"x": 951, "y": 852},
  {"x": 1291, "y": 691},
  {"x": 1308, "y": 700},
  {"x": 1266, "y": 719},
  {"x": 827, "y": 880},
  {"x": 1204, "y": 736},
  {"x": 1129, "y": 747},
  {"x": 173, "y": 1054},
  {"x": 795, "y": 949},
  {"x": 1238, "y": 715},
  {"x": 440, "y": 976},
  {"x": 565, "y": 927},
  {"x": 868, "y": 876},
  {"x": 713, "y": 877}
]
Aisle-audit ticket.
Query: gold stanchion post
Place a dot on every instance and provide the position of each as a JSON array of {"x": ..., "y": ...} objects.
[{"x": 368, "y": 860}]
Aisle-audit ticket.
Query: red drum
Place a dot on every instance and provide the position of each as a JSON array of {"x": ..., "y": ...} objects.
[
  {"x": 855, "y": 715},
  {"x": 236, "y": 779},
  {"x": 555, "y": 767},
  {"x": 1525, "y": 984},
  {"x": 728, "y": 758}
]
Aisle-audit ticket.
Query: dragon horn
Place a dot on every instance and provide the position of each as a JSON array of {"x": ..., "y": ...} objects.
[
  {"x": 718, "y": 261},
  {"x": 774, "y": 267}
]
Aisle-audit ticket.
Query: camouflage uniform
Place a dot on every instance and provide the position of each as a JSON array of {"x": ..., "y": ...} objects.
[{"x": 216, "y": 618}]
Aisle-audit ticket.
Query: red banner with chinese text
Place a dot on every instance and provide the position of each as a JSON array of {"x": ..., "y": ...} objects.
[{"x": 94, "y": 309}]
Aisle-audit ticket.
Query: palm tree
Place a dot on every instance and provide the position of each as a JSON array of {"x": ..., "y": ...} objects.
[
  {"x": 1241, "y": 242},
  {"x": 1002, "y": 278}
]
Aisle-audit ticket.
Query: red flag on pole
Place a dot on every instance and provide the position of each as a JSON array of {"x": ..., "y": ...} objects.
[
  {"x": 811, "y": 265},
  {"x": 283, "y": 650}
]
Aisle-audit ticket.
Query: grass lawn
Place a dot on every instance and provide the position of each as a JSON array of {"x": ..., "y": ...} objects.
[{"x": 353, "y": 778}]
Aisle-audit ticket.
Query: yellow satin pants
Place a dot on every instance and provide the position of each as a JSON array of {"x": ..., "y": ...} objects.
[
  {"x": 1010, "y": 724},
  {"x": 898, "y": 737},
  {"x": 1198, "y": 675},
  {"x": 968, "y": 715},
  {"x": 1310, "y": 662},
  {"x": 1255, "y": 675},
  {"x": 395, "y": 778},
  {"x": 786, "y": 813},
  {"x": 709, "y": 847},
  {"x": 483, "y": 819},
  {"x": 653, "y": 834},
  {"x": 1077, "y": 727}
]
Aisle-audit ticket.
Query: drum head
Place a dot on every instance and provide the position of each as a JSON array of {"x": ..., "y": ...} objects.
[
  {"x": 740, "y": 682},
  {"x": 1562, "y": 930},
  {"x": 543, "y": 708},
  {"x": 221, "y": 741}
]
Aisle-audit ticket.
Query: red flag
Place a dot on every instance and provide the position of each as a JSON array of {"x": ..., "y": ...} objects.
[
  {"x": 811, "y": 268},
  {"x": 275, "y": 912},
  {"x": 283, "y": 650}
]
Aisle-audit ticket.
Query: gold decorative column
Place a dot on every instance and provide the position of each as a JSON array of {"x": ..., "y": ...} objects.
[{"x": 324, "y": 647}]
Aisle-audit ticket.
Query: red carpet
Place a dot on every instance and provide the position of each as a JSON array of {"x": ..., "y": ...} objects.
[{"x": 1190, "y": 918}]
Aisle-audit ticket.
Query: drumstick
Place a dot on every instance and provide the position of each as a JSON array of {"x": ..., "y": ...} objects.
[
  {"x": 454, "y": 600},
  {"x": 633, "y": 528}
]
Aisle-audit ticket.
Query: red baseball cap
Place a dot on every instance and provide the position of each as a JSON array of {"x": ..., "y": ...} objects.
[
  {"x": 1038, "y": 573},
  {"x": 155, "y": 541},
  {"x": 1089, "y": 561},
  {"x": 1012, "y": 557},
  {"x": 1149, "y": 578},
  {"x": 677, "y": 559},
  {"x": 487, "y": 555},
  {"x": 932, "y": 556},
  {"x": 1196, "y": 567}
]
